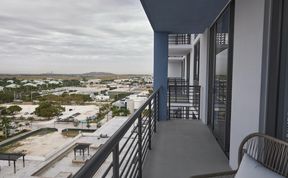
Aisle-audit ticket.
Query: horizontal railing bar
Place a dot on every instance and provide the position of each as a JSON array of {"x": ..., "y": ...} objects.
[
  {"x": 96, "y": 161},
  {"x": 135, "y": 174},
  {"x": 107, "y": 170},
  {"x": 127, "y": 140},
  {"x": 145, "y": 145},
  {"x": 145, "y": 134},
  {"x": 145, "y": 152},
  {"x": 126, "y": 153},
  {"x": 133, "y": 161},
  {"x": 135, "y": 165},
  {"x": 134, "y": 171},
  {"x": 184, "y": 100},
  {"x": 129, "y": 160}
]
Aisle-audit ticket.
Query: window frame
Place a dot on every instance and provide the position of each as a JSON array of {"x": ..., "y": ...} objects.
[
  {"x": 276, "y": 114},
  {"x": 211, "y": 67}
]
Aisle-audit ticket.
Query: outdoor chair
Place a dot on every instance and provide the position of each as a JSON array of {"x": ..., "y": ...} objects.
[{"x": 259, "y": 156}]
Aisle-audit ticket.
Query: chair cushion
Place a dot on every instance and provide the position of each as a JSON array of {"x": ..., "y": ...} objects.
[{"x": 250, "y": 168}]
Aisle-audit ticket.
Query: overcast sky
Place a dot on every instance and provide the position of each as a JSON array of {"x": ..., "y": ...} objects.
[{"x": 74, "y": 36}]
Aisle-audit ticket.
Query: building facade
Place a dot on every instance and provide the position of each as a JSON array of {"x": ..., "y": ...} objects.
[{"x": 238, "y": 59}]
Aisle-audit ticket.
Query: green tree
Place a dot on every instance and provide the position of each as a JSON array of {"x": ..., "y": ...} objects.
[
  {"x": 120, "y": 111},
  {"x": 30, "y": 118},
  {"x": 14, "y": 109},
  {"x": 68, "y": 83},
  {"x": 120, "y": 96},
  {"x": 6, "y": 125},
  {"x": 49, "y": 109},
  {"x": 150, "y": 92},
  {"x": 2, "y": 110},
  {"x": 6, "y": 97}
]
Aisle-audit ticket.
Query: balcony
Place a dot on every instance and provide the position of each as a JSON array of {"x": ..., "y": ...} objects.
[
  {"x": 188, "y": 150},
  {"x": 179, "y": 45},
  {"x": 179, "y": 39},
  {"x": 145, "y": 147},
  {"x": 183, "y": 99}
]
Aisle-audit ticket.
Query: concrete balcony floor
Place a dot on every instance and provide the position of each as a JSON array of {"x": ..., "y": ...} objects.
[{"x": 182, "y": 148}]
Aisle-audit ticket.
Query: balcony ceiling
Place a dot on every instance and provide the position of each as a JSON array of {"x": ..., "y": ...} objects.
[
  {"x": 182, "y": 16},
  {"x": 179, "y": 50},
  {"x": 176, "y": 59}
]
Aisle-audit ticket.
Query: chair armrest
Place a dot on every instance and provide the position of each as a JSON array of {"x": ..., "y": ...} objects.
[{"x": 226, "y": 174}]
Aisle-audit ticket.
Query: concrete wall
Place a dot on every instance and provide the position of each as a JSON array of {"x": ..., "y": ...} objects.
[
  {"x": 187, "y": 67},
  {"x": 192, "y": 66},
  {"x": 203, "y": 76},
  {"x": 174, "y": 68},
  {"x": 203, "y": 72},
  {"x": 247, "y": 59}
]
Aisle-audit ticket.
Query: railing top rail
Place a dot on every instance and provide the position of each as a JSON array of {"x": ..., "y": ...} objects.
[{"x": 96, "y": 161}]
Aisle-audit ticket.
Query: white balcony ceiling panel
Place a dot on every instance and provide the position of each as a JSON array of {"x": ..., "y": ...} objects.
[
  {"x": 176, "y": 59},
  {"x": 178, "y": 50}
]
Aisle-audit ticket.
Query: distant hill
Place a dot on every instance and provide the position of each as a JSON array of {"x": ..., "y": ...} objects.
[
  {"x": 97, "y": 74},
  {"x": 90, "y": 75}
]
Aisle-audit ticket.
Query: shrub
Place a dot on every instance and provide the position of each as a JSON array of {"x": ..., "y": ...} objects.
[{"x": 49, "y": 109}]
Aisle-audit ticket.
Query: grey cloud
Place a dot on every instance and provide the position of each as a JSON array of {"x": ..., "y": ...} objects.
[{"x": 113, "y": 35}]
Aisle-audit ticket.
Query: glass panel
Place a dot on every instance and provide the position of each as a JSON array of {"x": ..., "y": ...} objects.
[
  {"x": 221, "y": 77},
  {"x": 284, "y": 57},
  {"x": 196, "y": 63}
]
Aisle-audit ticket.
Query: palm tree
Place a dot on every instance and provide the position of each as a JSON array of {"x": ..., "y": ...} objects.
[{"x": 6, "y": 125}]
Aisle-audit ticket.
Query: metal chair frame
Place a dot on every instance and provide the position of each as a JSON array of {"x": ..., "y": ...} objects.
[{"x": 269, "y": 151}]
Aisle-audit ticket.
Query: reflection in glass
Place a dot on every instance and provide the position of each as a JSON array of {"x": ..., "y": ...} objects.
[{"x": 221, "y": 77}]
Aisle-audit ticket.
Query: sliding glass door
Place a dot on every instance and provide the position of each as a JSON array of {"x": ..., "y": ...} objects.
[
  {"x": 276, "y": 109},
  {"x": 196, "y": 63},
  {"x": 282, "y": 121},
  {"x": 221, "y": 77}
]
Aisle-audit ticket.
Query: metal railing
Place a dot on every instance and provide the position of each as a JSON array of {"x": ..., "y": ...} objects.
[
  {"x": 123, "y": 154},
  {"x": 184, "y": 101},
  {"x": 179, "y": 39},
  {"x": 222, "y": 38},
  {"x": 173, "y": 81}
]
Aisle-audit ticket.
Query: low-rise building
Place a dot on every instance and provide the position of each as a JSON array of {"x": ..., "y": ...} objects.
[
  {"x": 102, "y": 97},
  {"x": 12, "y": 86}
]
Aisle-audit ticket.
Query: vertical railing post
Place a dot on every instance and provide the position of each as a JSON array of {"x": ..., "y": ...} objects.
[
  {"x": 116, "y": 161},
  {"x": 155, "y": 111},
  {"x": 140, "y": 146},
  {"x": 199, "y": 99},
  {"x": 158, "y": 101},
  {"x": 188, "y": 92},
  {"x": 175, "y": 93},
  {"x": 169, "y": 101},
  {"x": 150, "y": 128}
]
